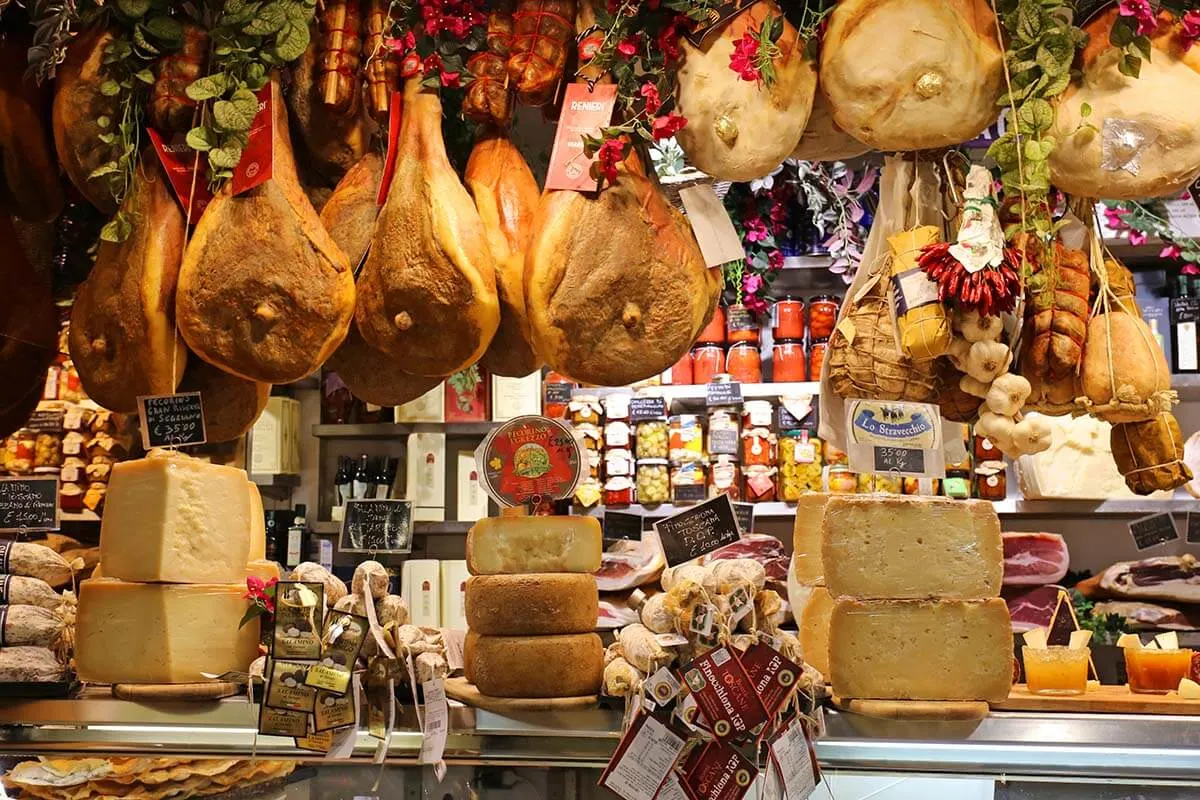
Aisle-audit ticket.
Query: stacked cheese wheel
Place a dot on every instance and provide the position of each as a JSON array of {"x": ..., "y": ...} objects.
[
  {"x": 531, "y": 607},
  {"x": 913, "y": 608},
  {"x": 178, "y": 540}
]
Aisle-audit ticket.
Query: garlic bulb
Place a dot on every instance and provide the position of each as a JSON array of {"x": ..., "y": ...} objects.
[
  {"x": 997, "y": 427},
  {"x": 976, "y": 328},
  {"x": 1007, "y": 394},
  {"x": 988, "y": 360},
  {"x": 973, "y": 387},
  {"x": 957, "y": 353},
  {"x": 1032, "y": 435}
]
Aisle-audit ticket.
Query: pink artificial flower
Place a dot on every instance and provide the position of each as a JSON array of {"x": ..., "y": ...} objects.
[
  {"x": 1170, "y": 251},
  {"x": 1142, "y": 12},
  {"x": 751, "y": 283},
  {"x": 628, "y": 46},
  {"x": 668, "y": 40},
  {"x": 668, "y": 126},
  {"x": 745, "y": 53},
  {"x": 775, "y": 259},
  {"x": 450, "y": 79},
  {"x": 756, "y": 229},
  {"x": 1190, "y": 28},
  {"x": 1137, "y": 238}
]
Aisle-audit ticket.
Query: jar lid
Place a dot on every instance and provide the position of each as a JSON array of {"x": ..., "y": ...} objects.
[
  {"x": 790, "y": 298},
  {"x": 707, "y": 346},
  {"x": 618, "y": 483},
  {"x": 722, "y": 460},
  {"x": 795, "y": 341},
  {"x": 617, "y": 405},
  {"x": 744, "y": 346},
  {"x": 652, "y": 462},
  {"x": 825, "y": 298},
  {"x": 686, "y": 419},
  {"x": 588, "y": 431},
  {"x": 820, "y": 340}
]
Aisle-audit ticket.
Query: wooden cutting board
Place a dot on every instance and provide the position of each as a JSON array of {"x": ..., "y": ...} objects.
[
  {"x": 161, "y": 692},
  {"x": 1100, "y": 700},
  {"x": 914, "y": 709},
  {"x": 466, "y": 693}
]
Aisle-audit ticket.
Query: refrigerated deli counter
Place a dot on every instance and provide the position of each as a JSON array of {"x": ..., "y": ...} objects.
[{"x": 560, "y": 754}]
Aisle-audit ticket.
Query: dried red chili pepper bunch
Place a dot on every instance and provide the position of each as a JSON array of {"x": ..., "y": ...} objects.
[{"x": 991, "y": 291}]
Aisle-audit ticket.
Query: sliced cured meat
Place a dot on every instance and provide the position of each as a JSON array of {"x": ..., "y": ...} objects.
[
  {"x": 1171, "y": 578},
  {"x": 615, "y": 613},
  {"x": 1151, "y": 616},
  {"x": 1034, "y": 559},
  {"x": 766, "y": 550},
  {"x": 1032, "y": 608},
  {"x": 628, "y": 565}
]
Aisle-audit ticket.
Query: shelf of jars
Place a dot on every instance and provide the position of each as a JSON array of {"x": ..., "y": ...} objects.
[{"x": 391, "y": 430}]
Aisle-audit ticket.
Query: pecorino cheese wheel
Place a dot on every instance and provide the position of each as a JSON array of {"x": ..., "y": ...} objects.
[
  {"x": 516, "y": 605},
  {"x": 535, "y": 666},
  {"x": 912, "y": 74},
  {"x": 1148, "y": 138}
]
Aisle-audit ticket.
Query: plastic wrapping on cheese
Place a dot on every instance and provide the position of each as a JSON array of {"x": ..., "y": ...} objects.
[
  {"x": 1078, "y": 465},
  {"x": 161, "y": 633},
  {"x": 517, "y": 545},
  {"x": 921, "y": 649},
  {"x": 173, "y": 518},
  {"x": 887, "y": 546},
  {"x": 806, "y": 538}
]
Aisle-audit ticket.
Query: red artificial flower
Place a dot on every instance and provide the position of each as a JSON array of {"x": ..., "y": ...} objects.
[
  {"x": 257, "y": 591},
  {"x": 1190, "y": 28},
  {"x": 668, "y": 41},
  {"x": 610, "y": 154},
  {"x": 411, "y": 65},
  {"x": 629, "y": 45},
  {"x": 1142, "y": 12},
  {"x": 775, "y": 259},
  {"x": 668, "y": 126},
  {"x": 451, "y": 79},
  {"x": 653, "y": 102},
  {"x": 745, "y": 53},
  {"x": 756, "y": 229}
]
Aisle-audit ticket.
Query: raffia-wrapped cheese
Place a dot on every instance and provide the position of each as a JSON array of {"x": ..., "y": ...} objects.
[
  {"x": 921, "y": 317},
  {"x": 1144, "y": 134},
  {"x": 912, "y": 74},
  {"x": 1150, "y": 454}
]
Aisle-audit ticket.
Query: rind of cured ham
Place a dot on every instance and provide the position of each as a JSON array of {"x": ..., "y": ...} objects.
[
  {"x": 627, "y": 565},
  {"x": 1172, "y": 578},
  {"x": 1032, "y": 608},
  {"x": 1151, "y": 616},
  {"x": 766, "y": 550},
  {"x": 1034, "y": 559}
]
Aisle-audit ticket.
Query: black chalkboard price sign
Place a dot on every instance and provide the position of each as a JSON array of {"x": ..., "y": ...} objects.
[
  {"x": 1193, "y": 527},
  {"x": 29, "y": 504},
  {"x": 1153, "y": 530},
  {"x": 899, "y": 459},
  {"x": 377, "y": 526},
  {"x": 697, "y": 531},
  {"x": 622, "y": 525},
  {"x": 172, "y": 420},
  {"x": 745, "y": 516},
  {"x": 644, "y": 409},
  {"x": 723, "y": 394}
]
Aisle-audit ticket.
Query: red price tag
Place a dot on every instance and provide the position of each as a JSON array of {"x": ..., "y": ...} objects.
[
  {"x": 720, "y": 773},
  {"x": 774, "y": 677},
  {"x": 724, "y": 693}
]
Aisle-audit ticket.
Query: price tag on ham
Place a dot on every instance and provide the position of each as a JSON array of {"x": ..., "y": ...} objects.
[
  {"x": 28, "y": 504},
  {"x": 585, "y": 111},
  {"x": 724, "y": 693},
  {"x": 698, "y": 531},
  {"x": 895, "y": 438},
  {"x": 1153, "y": 530},
  {"x": 720, "y": 773},
  {"x": 257, "y": 162},
  {"x": 718, "y": 239},
  {"x": 187, "y": 171},
  {"x": 171, "y": 420},
  {"x": 644, "y": 757}
]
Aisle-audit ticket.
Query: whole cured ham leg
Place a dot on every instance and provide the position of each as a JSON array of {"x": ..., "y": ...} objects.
[
  {"x": 123, "y": 338},
  {"x": 264, "y": 292},
  {"x": 506, "y": 195},
  {"x": 428, "y": 289},
  {"x": 78, "y": 106},
  {"x": 31, "y": 188},
  {"x": 231, "y": 404},
  {"x": 615, "y": 285},
  {"x": 28, "y": 331}
]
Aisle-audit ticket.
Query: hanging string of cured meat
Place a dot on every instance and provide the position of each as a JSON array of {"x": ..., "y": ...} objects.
[{"x": 542, "y": 31}]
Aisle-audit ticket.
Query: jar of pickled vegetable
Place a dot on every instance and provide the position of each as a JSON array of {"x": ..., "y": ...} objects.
[
  {"x": 651, "y": 439},
  {"x": 714, "y": 331},
  {"x": 725, "y": 477},
  {"x": 929, "y": 487},
  {"x": 788, "y": 362},
  {"x": 724, "y": 433},
  {"x": 758, "y": 447},
  {"x": 689, "y": 482},
  {"x": 760, "y": 483},
  {"x": 816, "y": 357},
  {"x": 708, "y": 361},
  {"x": 744, "y": 362},
  {"x": 618, "y": 491},
  {"x": 788, "y": 316},
  {"x": 653, "y": 481},
  {"x": 822, "y": 316},
  {"x": 800, "y": 465},
  {"x": 21, "y": 452},
  {"x": 889, "y": 484},
  {"x": 842, "y": 481},
  {"x": 556, "y": 394},
  {"x": 832, "y": 456},
  {"x": 616, "y": 433},
  {"x": 585, "y": 410},
  {"x": 686, "y": 438},
  {"x": 740, "y": 325}
]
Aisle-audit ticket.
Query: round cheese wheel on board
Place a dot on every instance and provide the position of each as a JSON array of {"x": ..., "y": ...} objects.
[
  {"x": 739, "y": 130},
  {"x": 912, "y": 74},
  {"x": 823, "y": 140},
  {"x": 1142, "y": 137}
]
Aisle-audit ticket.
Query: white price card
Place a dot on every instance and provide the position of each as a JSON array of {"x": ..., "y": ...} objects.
[
  {"x": 643, "y": 759},
  {"x": 792, "y": 756},
  {"x": 437, "y": 725}
]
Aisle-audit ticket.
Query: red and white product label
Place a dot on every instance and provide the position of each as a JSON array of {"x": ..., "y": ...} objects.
[
  {"x": 187, "y": 172},
  {"x": 774, "y": 677},
  {"x": 643, "y": 758},
  {"x": 258, "y": 157},
  {"x": 720, "y": 773},
  {"x": 724, "y": 693}
]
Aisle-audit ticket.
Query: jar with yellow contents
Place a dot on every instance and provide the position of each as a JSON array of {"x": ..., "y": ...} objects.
[
  {"x": 800, "y": 465},
  {"x": 653, "y": 481},
  {"x": 841, "y": 480},
  {"x": 651, "y": 439}
]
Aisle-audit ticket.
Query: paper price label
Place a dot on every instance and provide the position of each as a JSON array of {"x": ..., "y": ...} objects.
[
  {"x": 718, "y": 239},
  {"x": 1153, "y": 530},
  {"x": 791, "y": 754},
  {"x": 643, "y": 758}
]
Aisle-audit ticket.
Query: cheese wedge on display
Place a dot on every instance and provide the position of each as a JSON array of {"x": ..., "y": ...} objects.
[
  {"x": 1189, "y": 689},
  {"x": 161, "y": 633},
  {"x": 806, "y": 538},
  {"x": 176, "y": 519},
  {"x": 258, "y": 526},
  {"x": 264, "y": 570},
  {"x": 516, "y": 605},
  {"x": 518, "y": 545},
  {"x": 813, "y": 621},
  {"x": 884, "y": 546},
  {"x": 571, "y": 665}
]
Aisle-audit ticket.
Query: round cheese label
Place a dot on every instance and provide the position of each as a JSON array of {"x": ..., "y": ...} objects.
[{"x": 530, "y": 458}]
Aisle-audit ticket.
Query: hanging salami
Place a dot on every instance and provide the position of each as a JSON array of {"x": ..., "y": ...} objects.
[
  {"x": 542, "y": 30},
  {"x": 489, "y": 98}
]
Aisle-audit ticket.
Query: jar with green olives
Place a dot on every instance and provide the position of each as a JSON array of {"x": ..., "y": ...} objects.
[
  {"x": 651, "y": 438},
  {"x": 653, "y": 481}
]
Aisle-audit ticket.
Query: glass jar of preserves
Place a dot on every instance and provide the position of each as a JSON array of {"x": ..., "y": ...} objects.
[
  {"x": 714, "y": 331},
  {"x": 556, "y": 394},
  {"x": 822, "y": 316},
  {"x": 47, "y": 450},
  {"x": 889, "y": 484},
  {"x": 957, "y": 484},
  {"x": 929, "y": 487},
  {"x": 689, "y": 482},
  {"x": 724, "y": 433},
  {"x": 800, "y": 466},
  {"x": 616, "y": 434},
  {"x": 832, "y": 456},
  {"x": 986, "y": 450},
  {"x": 991, "y": 481},
  {"x": 21, "y": 452},
  {"x": 618, "y": 463},
  {"x": 816, "y": 357},
  {"x": 585, "y": 409},
  {"x": 618, "y": 491},
  {"x": 744, "y": 362},
  {"x": 588, "y": 493},
  {"x": 788, "y": 362},
  {"x": 725, "y": 477},
  {"x": 708, "y": 361},
  {"x": 616, "y": 406},
  {"x": 841, "y": 480},
  {"x": 740, "y": 325},
  {"x": 592, "y": 440},
  {"x": 651, "y": 439},
  {"x": 653, "y": 481},
  {"x": 758, "y": 447},
  {"x": 760, "y": 483},
  {"x": 788, "y": 315},
  {"x": 680, "y": 373},
  {"x": 686, "y": 438}
]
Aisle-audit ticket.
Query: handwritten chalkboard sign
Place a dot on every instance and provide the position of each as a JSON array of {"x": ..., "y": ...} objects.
[
  {"x": 172, "y": 420},
  {"x": 377, "y": 526},
  {"x": 558, "y": 394},
  {"x": 1153, "y": 530},
  {"x": 622, "y": 525},
  {"x": 697, "y": 531},
  {"x": 643, "y": 409},
  {"x": 29, "y": 504},
  {"x": 689, "y": 492},
  {"x": 723, "y": 442},
  {"x": 46, "y": 420},
  {"x": 723, "y": 394},
  {"x": 745, "y": 516},
  {"x": 1193, "y": 528},
  {"x": 905, "y": 460}
]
